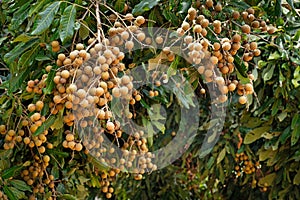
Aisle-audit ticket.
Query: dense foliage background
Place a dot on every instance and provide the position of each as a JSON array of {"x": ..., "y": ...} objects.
[{"x": 260, "y": 137}]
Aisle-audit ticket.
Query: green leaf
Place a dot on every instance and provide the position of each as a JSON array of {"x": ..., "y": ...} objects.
[
  {"x": 9, "y": 193},
  {"x": 268, "y": 73},
  {"x": 278, "y": 10},
  {"x": 296, "y": 180},
  {"x": 67, "y": 197},
  {"x": 295, "y": 135},
  {"x": 143, "y": 6},
  {"x": 119, "y": 5},
  {"x": 282, "y": 116},
  {"x": 17, "y": 80},
  {"x": 23, "y": 38},
  {"x": 20, "y": 16},
  {"x": 268, "y": 180},
  {"x": 241, "y": 67},
  {"x": 46, "y": 17},
  {"x": 84, "y": 31},
  {"x": 18, "y": 50},
  {"x": 42, "y": 58},
  {"x": 11, "y": 171},
  {"x": 45, "y": 126},
  {"x": 221, "y": 155},
  {"x": 49, "y": 82},
  {"x": 296, "y": 79},
  {"x": 37, "y": 6},
  {"x": 18, "y": 194},
  {"x": 295, "y": 120},
  {"x": 255, "y": 134},
  {"x": 173, "y": 67},
  {"x": 28, "y": 57},
  {"x": 20, "y": 185},
  {"x": 274, "y": 56},
  {"x": 67, "y": 21}
]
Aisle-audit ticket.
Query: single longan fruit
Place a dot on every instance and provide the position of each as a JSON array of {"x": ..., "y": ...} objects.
[
  {"x": 65, "y": 74},
  {"x": 129, "y": 45},
  {"x": 192, "y": 11},
  {"x": 46, "y": 158},
  {"x": 255, "y": 24},
  {"x": 79, "y": 46},
  {"x": 185, "y": 26},
  {"x": 218, "y": 7},
  {"x": 78, "y": 147},
  {"x": 246, "y": 29},
  {"x": 251, "y": 11},
  {"x": 70, "y": 137},
  {"x": 231, "y": 87},
  {"x": 124, "y": 90},
  {"x": 209, "y": 3},
  {"x": 236, "y": 38},
  {"x": 141, "y": 36},
  {"x": 125, "y": 80},
  {"x": 197, "y": 28},
  {"x": 159, "y": 40},
  {"x": 110, "y": 126},
  {"x": 55, "y": 43},
  {"x": 56, "y": 49},
  {"x": 61, "y": 57},
  {"x": 253, "y": 45},
  {"x": 223, "y": 98},
  {"x": 116, "y": 92},
  {"x": 31, "y": 107},
  {"x": 140, "y": 20},
  {"x": 242, "y": 99},
  {"x": 202, "y": 91},
  {"x": 235, "y": 15},
  {"x": 204, "y": 23}
]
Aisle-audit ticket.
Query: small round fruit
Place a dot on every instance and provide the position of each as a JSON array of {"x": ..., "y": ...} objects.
[
  {"x": 46, "y": 158},
  {"x": 110, "y": 126},
  {"x": 78, "y": 147},
  {"x": 242, "y": 99},
  {"x": 55, "y": 44},
  {"x": 246, "y": 29}
]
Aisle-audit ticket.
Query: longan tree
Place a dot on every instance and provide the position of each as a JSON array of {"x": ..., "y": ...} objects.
[{"x": 100, "y": 97}]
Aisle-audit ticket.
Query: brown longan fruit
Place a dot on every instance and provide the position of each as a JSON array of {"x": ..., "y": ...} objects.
[
  {"x": 140, "y": 20},
  {"x": 78, "y": 147},
  {"x": 251, "y": 11},
  {"x": 55, "y": 49},
  {"x": 39, "y": 105},
  {"x": 209, "y": 3},
  {"x": 61, "y": 57},
  {"x": 129, "y": 45},
  {"x": 231, "y": 87},
  {"x": 70, "y": 137},
  {"x": 242, "y": 99},
  {"x": 204, "y": 23},
  {"x": 31, "y": 107},
  {"x": 246, "y": 28},
  {"x": 235, "y": 15},
  {"x": 255, "y": 24},
  {"x": 214, "y": 60},
  {"x": 236, "y": 38},
  {"x": 55, "y": 43},
  {"x": 159, "y": 40},
  {"x": 185, "y": 26},
  {"x": 110, "y": 126},
  {"x": 79, "y": 46},
  {"x": 223, "y": 98},
  {"x": 253, "y": 45}
]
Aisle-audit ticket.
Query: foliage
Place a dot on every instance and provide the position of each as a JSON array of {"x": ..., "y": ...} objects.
[{"x": 256, "y": 155}]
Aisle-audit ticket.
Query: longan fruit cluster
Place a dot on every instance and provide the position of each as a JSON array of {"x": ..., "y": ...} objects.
[
  {"x": 37, "y": 176},
  {"x": 10, "y": 137},
  {"x": 36, "y": 86},
  {"x": 70, "y": 142},
  {"x": 244, "y": 165}
]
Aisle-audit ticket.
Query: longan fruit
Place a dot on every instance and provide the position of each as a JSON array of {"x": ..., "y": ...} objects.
[
  {"x": 251, "y": 11},
  {"x": 129, "y": 45},
  {"x": 125, "y": 80},
  {"x": 209, "y": 3},
  {"x": 242, "y": 99},
  {"x": 218, "y": 7},
  {"x": 236, "y": 38},
  {"x": 138, "y": 97},
  {"x": 185, "y": 26},
  {"x": 31, "y": 107},
  {"x": 159, "y": 40},
  {"x": 55, "y": 49},
  {"x": 214, "y": 60},
  {"x": 46, "y": 158},
  {"x": 54, "y": 43},
  {"x": 235, "y": 15},
  {"x": 253, "y": 45},
  {"x": 123, "y": 90},
  {"x": 140, "y": 20},
  {"x": 192, "y": 11},
  {"x": 223, "y": 98},
  {"x": 246, "y": 28},
  {"x": 128, "y": 17},
  {"x": 202, "y": 91},
  {"x": 216, "y": 46},
  {"x": 256, "y": 52},
  {"x": 39, "y": 105},
  {"x": 110, "y": 126},
  {"x": 79, "y": 46},
  {"x": 61, "y": 57},
  {"x": 141, "y": 36},
  {"x": 255, "y": 24},
  {"x": 204, "y": 23},
  {"x": 78, "y": 147},
  {"x": 231, "y": 87},
  {"x": 65, "y": 74},
  {"x": 70, "y": 137},
  {"x": 180, "y": 32}
]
